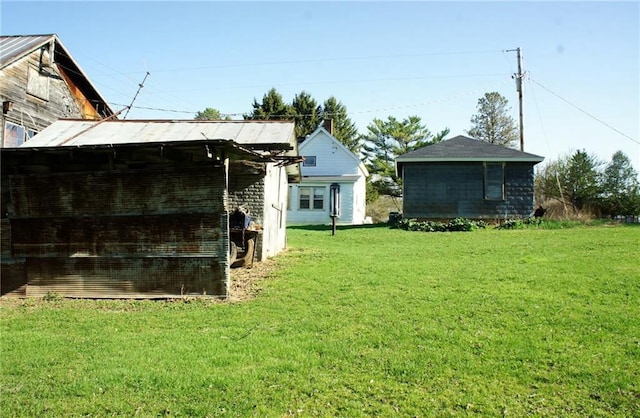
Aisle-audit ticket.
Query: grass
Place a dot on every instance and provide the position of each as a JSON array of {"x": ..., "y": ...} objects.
[{"x": 369, "y": 322}]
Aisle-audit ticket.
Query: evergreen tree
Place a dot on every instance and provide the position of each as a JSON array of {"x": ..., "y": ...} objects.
[
  {"x": 343, "y": 128},
  {"x": 574, "y": 180},
  {"x": 210, "y": 114},
  {"x": 492, "y": 123},
  {"x": 582, "y": 180},
  {"x": 621, "y": 189},
  {"x": 272, "y": 107},
  {"x": 307, "y": 114},
  {"x": 387, "y": 140}
]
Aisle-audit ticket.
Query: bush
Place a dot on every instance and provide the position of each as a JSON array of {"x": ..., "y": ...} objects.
[{"x": 458, "y": 224}]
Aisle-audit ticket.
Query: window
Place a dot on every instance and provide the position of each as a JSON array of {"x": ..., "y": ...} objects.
[
  {"x": 494, "y": 181},
  {"x": 309, "y": 161},
  {"x": 311, "y": 198},
  {"x": 13, "y": 135}
]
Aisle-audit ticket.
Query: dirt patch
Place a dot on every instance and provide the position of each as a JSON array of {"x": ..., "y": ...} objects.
[{"x": 245, "y": 282}]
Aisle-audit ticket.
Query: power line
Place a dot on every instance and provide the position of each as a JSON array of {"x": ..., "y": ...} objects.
[
  {"x": 427, "y": 103},
  {"x": 319, "y": 60},
  {"x": 585, "y": 112}
]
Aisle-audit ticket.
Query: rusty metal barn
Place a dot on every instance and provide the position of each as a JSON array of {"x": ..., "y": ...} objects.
[{"x": 140, "y": 209}]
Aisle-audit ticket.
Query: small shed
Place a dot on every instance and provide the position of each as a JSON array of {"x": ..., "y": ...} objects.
[
  {"x": 464, "y": 177},
  {"x": 140, "y": 208}
]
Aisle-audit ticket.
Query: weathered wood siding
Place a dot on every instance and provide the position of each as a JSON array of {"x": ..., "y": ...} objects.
[
  {"x": 450, "y": 190},
  {"x": 64, "y": 99},
  {"x": 158, "y": 232}
]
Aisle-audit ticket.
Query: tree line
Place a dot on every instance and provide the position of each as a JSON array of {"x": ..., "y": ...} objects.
[
  {"x": 582, "y": 183},
  {"x": 579, "y": 181}
]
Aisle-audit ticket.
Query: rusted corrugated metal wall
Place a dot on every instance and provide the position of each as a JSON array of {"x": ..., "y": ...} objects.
[
  {"x": 158, "y": 232},
  {"x": 13, "y": 280}
]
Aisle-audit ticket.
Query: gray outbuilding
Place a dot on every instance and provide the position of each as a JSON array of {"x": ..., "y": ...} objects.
[{"x": 464, "y": 177}]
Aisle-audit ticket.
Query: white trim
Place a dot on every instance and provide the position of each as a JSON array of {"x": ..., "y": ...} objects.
[{"x": 330, "y": 178}]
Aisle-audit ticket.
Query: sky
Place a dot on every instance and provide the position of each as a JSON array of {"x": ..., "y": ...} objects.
[{"x": 430, "y": 59}]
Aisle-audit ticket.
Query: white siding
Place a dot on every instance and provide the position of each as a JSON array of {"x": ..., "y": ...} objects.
[
  {"x": 331, "y": 158},
  {"x": 275, "y": 213},
  {"x": 334, "y": 164},
  {"x": 359, "y": 200}
]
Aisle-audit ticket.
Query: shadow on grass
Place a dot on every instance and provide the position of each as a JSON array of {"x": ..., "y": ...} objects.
[{"x": 338, "y": 227}]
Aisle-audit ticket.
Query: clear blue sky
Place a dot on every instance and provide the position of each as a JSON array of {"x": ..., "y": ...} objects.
[{"x": 430, "y": 59}]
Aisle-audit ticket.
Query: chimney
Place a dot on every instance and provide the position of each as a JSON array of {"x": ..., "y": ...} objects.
[{"x": 328, "y": 125}]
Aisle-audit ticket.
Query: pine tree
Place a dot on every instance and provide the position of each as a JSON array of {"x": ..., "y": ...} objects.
[
  {"x": 272, "y": 107},
  {"x": 343, "y": 128},
  {"x": 492, "y": 123},
  {"x": 307, "y": 114},
  {"x": 387, "y": 140}
]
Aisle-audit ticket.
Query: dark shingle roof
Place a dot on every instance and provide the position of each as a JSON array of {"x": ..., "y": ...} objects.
[{"x": 462, "y": 148}]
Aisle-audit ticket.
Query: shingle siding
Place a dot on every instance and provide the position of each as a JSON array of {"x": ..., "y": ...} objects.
[{"x": 449, "y": 190}]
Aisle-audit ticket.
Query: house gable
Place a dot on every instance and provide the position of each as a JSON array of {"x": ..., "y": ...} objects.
[
  {"x": 334, "y": 164},
  {"x": 51, "y": 60},
  {"x": 331, "y": 157},
  {"x": 42, "y": 83}
]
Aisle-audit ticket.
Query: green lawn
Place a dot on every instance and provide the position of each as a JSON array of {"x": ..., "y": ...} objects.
[{"x": 369, "y": 322}]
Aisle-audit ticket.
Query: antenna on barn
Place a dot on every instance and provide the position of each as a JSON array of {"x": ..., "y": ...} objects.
[
  {"x": 140, "y": 86},
  {"x": 518, "y": 77}
]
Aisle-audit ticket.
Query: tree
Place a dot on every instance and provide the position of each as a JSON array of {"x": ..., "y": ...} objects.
[
  {"x": 272, "y": 107},
  {"x": 307, "y": 114},
  {"x": 385, "y": 141},
  {"x": 492, "y": 123},
  {"x": 343, "y": 128},
  {"x": 210, "y": 114},
  {"x": 574, "y": 180},
  {"x": 621, "y": 189},
  {"x": 582, "y": 180}
]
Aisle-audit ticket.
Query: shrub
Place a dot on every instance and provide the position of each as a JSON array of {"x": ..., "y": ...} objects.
[{"x": 457, "y": 224}]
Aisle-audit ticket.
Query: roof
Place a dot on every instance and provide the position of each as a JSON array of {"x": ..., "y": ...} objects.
[
  {"x": 272, "y": 139},
  {"x": 13, "y": 48},
  {"x": 462, "y": 148},
  {"x": 78, "y": 132},
  {"x": 16, "y": 157}
]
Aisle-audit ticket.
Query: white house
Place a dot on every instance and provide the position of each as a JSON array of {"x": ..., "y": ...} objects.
[{"x": 327, "y": 165}]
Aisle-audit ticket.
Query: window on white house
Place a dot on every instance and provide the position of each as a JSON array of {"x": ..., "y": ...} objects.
[
  {"x": 311, "y": 198},
  {"x": 494, "y": 181},
  {"x": 309, "y": 161}
]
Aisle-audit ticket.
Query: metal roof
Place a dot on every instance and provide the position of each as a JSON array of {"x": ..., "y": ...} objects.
[
  {"x": 15, "y": 47},
  {"x": 462, "y": 148},
  {"x": 253, "y": 134}
]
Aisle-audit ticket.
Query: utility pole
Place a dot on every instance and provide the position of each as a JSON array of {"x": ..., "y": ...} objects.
[{"x": 518, "y": 77}]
